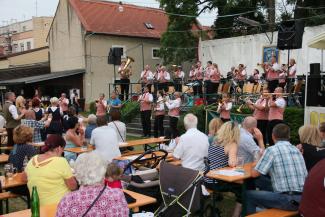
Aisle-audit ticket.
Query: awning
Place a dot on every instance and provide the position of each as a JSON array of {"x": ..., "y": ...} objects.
[
  {"x": 38, "y": 78},
  {"x": 318, "y": 41}
]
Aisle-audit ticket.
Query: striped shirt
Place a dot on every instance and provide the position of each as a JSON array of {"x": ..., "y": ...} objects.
[
  {"x": 217, "y": 159},
  {"x": 286, "y": 166}
]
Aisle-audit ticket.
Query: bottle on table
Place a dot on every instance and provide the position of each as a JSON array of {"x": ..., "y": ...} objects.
[{"x": 35, "y": 207}]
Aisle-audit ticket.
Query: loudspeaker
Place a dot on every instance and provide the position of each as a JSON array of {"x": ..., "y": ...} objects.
[
  {"x": 290, "y": 34},
  {"x": 314, "y": 68},
  {"x": 313, "y": 90},
  {"x": 114, "y": 56}
]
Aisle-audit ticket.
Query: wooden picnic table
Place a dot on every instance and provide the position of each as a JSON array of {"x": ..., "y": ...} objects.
[
  {"x": 4, "y": 158},
  {"x": 50, "y": 210},
  {"x": 15, "y": 181},
  {"x": 80, "y": 150}
]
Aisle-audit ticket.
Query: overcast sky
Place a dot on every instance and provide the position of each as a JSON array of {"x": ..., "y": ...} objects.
[{"x": 12, "y": 10}]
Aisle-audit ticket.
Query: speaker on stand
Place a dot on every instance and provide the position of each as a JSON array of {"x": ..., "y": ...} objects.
[
  {"x": 315, "y": 89},
  {"x": 114, "y": 57}
]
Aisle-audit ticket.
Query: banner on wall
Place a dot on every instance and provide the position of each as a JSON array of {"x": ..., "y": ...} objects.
[{"x": 314, "y": 115}]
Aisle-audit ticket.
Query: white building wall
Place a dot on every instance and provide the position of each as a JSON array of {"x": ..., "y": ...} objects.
[{"x": 248, "y": 50}]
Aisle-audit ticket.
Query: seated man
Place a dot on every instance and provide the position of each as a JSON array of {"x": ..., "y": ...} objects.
[
  {"x": 313, "y": 197},
  {"x": 248, "y": 149},
  {"x": 286, "y": 167},
  {"x": 192, "y": 146}
]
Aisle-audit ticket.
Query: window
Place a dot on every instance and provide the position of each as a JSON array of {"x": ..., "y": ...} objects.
[
  {"x": 155, "y": 53},
  {"x": 123, "y": 48},
  {"x": 28, "y": 45},
  {"x": 22, "y": 47},
  {"x": 149, "y": 25}
]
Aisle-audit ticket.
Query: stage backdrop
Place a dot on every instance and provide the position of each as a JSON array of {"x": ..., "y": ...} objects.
[{"x": 252, "y": 49}]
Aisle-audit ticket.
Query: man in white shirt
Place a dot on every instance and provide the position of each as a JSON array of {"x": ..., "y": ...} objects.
[
  {"x": 104, "y": 139},
  {"x": 174, "y": 112},
  {"x": 147, "y": 77},
  {"x": 193, "y": 146}
]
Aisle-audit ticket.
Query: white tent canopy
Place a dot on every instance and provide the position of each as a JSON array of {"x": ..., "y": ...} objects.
[{"x": 318, "y": 41}]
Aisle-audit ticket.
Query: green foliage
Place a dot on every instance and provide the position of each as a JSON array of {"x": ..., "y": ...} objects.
[
  {"x": 177, "y": 47},
  {"x": 294, "y": 117},
  {"x": 129, "y": 111},
  {"x": 92, "y": 108}
]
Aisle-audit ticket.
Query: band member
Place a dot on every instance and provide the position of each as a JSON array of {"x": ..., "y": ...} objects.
[
  {"x": 260, "y": 112},
  {"x": 292, "y": 69},
  {"x": 231, "y": 73},
  {"x": 163, "y": 78},
  {"x": 215, "y": 77},
  {"x": 241, "y": 76},
  {"x": 146, "y": 100},
  {"x": 159, "y": 111},
  {"x": 146, "y": 77},
  {"x": 125, "y": 80},
  {"x": 174, "y": 112},
  {"x": 178, "y": 78},
  {"x": 282, "y": 76},
  {"x": 198, "y": 78},
  {"x": 101, "y": 105},
  {"x": 155, "y": 78},
  {"x": 272, "y": 74},
  {"x": 276, "y": 107},
  {"x": 224, "y": 108},
  {"x": 191, "y": 76},
  {"x": 64, "y": 103},
  {"x": 207, "y": 79}
]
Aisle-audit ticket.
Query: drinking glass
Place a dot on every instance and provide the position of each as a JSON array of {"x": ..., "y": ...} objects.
[
  {"x": 85, "y": 145},
  {"x": 8, "y": 169},
  {"x": 240, "y": 163}
]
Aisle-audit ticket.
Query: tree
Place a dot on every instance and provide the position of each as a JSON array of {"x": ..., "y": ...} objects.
[
  {"x": 178, "y": 42},
  {"x": 312, "y": 10}
]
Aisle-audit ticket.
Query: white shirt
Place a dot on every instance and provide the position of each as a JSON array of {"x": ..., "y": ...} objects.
[
  {"x": 192, "y": 148},
  {"x": 143, "y": 96},
  {"x": 276, "y": 67},
  {"x": 13, "y": 111},
  {"x": 228, "y": 107},
  {"x": 181, "y": 75},
  {"x": 104, "y": 138},
  {"x": 280, "y": 102},
  {"x": 292, "y": 71},
  {"x": 149, "y": 75},
  {"x": 119, "y": 126},
  {"x": 166, "y": 76},
  {"x": 2, "y": 121}
]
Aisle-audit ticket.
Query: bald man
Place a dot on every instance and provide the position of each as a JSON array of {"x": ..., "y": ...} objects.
[{"x": 247, "y": 146}]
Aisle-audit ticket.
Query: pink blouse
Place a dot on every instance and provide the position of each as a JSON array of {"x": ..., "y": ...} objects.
[{"x": 111, "y": 203}]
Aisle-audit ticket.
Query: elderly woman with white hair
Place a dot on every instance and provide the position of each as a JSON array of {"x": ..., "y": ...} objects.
[
  {"x": 54, "y": 116},
  {"x": 93, "y": 197},
  {"x": 92, "y": 119},
  {"x": 193, "y": 146}
]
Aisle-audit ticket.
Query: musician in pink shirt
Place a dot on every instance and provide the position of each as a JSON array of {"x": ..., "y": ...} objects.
[
  {"x": 163, "y": 78},
  {"x": 260, "y": 112},
  {"x": 174, "y": 113},
  {"x": 272, "y": 74},
  {"x": 146, "y": 100},
  {"x": 207, "y": 79},
  {"x": 191, "y": 76},
  {"x": 282, "y": 76},
  {"x": 241, "y": 75},
  {"x": 198, "y": 78},
  {"x": 225, "y": 107},
  {"x": 276, "y": 107},
  {"x": 178, "y": 78},
  {"x": 146, "y": 77},
  {"x": 101, "y": 105},
  {"x": 215, "y": 77},
  {"x": 292, "y": 70}
]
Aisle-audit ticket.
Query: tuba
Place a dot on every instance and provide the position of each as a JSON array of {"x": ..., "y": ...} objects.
[{"x": 126, "y": 71}]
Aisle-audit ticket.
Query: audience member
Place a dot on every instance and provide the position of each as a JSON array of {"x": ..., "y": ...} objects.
[
  {"x": 247, "y": 148},
  {"x": 286, "y": 167},
  {"x": 223, "y": 153},
  {"x": 54, "y": 116},
  {"x": 118, "y": 126},
  {"x": 22, "y": 136},
  {"x": 74, "y": 137},
  {"x": 11, "y": 116},
  {"x": 312, "y": 200},
  {"x": 91, "y": 125},
  {"x": 21, "y": 104},
  {"x": 310, "y": 140},
  {"x": 104, "y": 139},
  {"x": 113, "y": 176},
  {"x": 39, "y": 112},
  {"x": 50, "y": 172},
  {"x": 214, "y": 126},
  {"x": 65, "y": 119},
  {"x": 322, "y": 133},
  {"x": 193, "y": 146},
  {"x": 110, "y": 202},
  {"x": 37, "y": 126}
]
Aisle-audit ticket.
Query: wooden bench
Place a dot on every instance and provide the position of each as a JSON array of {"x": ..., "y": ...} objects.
[
  {"x": 275, "y": 213},
  {"x": 5, "y": 196},
  {"x": 135, "y": 152}
]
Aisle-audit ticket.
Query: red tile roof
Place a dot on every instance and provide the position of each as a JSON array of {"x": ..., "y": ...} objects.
[{"x": 104, "y": 17}]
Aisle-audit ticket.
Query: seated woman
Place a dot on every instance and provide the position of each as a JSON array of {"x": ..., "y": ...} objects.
[
  {"x": 22, "y": 136},
  {"x": 50, "y": 172},
  {"x": 91, "y": 125},
  {"x": 310, "y": 139},
  {"x": 74, "y": 137},
  {"x": 223, "y": 153},
  {"x": 214, "y": 126},
  {"x": 322, "y": 133},
  {"x": 110, "y": 201}
]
